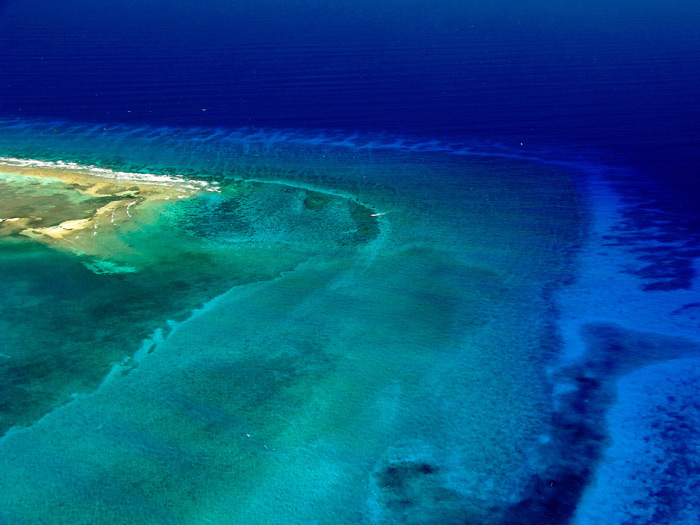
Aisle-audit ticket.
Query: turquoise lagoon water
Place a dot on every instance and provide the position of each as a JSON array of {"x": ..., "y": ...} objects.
[{"x": 348, "y": 331}]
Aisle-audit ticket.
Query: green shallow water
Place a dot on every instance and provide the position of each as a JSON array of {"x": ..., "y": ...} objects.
[
  {"x": 339, "y": 367},
  {"x": 66, "y": 326}
]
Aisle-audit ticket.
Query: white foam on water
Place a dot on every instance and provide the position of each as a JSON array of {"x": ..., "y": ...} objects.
[
  {"x": 271, "y": 137},
  {"x": 122, "y": 176}
]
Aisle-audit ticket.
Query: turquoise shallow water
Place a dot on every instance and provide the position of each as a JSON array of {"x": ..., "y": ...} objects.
[
  {"x": 367, "y": 343},
  {"x": 346, "y": 325},
  {"x": 325, "y": 327}
]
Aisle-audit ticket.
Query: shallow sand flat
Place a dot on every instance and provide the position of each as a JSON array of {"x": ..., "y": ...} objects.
[{"x": 14, "y": 225}]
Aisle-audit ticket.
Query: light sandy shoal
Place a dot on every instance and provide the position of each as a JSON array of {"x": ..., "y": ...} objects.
[{"x": 14, "y": 225}]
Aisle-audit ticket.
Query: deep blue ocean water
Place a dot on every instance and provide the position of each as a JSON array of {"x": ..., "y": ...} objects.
[
  {"x": 619, "y": 77},
  {"x": 512, "y": 186}
]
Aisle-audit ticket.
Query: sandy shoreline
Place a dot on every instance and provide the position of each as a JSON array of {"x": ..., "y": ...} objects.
[{"x": 86, "y": 189}]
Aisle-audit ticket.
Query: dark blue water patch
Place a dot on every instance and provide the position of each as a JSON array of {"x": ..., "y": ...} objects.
[
  {"x": 687, "y": 306},
  {"x": 412, "y": 488},
  {"x": 579, "y": 435},
  {"x": 690, "y": 311},
  {"x": 578, "y": 439},
  {"x": 659, "y": 230},
  {"x": 613, "y": 351}
]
